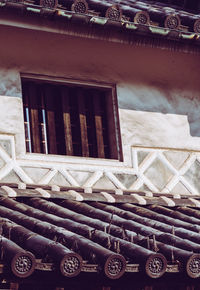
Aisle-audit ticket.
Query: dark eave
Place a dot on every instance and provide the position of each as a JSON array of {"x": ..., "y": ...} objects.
[
  {"x": 62, "y": 233},
  {"x": 134, "y": 22}
]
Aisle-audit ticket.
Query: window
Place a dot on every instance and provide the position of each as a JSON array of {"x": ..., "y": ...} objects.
[{"x": 70, "y": 119}]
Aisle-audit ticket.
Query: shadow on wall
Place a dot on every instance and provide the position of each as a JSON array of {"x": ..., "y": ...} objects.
[{"x": 161, "y": 99}]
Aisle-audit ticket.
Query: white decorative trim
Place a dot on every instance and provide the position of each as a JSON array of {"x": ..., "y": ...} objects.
[
  {"x": 164, "y": 160},
  {"x": 177, "y": 174},
  {"x": 22, "y": 175},
  {"x": 71, "y": 162},
  {"x": 114, "y": 180},
  {"x": 74, "y": 165},
  {"x": 97, "y": 168},
  {"x": 147, "y": 161},
  {"x": 21, "y": 185},
  {"x": 68, "y": 177},
  {"x": 135, "y": 160},
  {"x": 168, "y": 201},
  {"x": 5, "y": 170},
  {"x": 190, "y": 188},
  {"x": 171, "y": 184},
  {"x": 149, "y": 184},
  {"x": 55, "y": 188},
  {"x": 198, "y": 158},
  {"x": 4, "y": 155},
  {"x": 187, "y": 164},
  {"x": 148, "y": 194},
  {"x": 12, "y": 144},
  {"x": 137, "y": 184},
  {"x": 75, "y": 195},
  {"x": 118, "y": 191},
  {"x": 10, "y": 191},
  {"x": 43, "y": 192},
  {"x": 108, "y": 196},
  {"x": 48, "y": 176},
  {"x": 165, "y": 190},
  {"x": 195, "y": 202},
  {"x": 139, "y": 198},
  {"x": 88, "y": 190},
  {"x": 93, "y": 179}
]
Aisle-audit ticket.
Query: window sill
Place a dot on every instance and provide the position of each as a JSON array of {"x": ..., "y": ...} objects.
[{"x": 76, "y": 160}]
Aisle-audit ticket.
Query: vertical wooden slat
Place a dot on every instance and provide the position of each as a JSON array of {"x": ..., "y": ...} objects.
[
  {"x": 50, "y": 113},
  {"x": 67, "y": 121},
  {"x": 43, "y": 124},
  {"x": 91, "y": 129},
  {"x": 98, "y": 125},
  {"x": 113, "y": 125},
  {"x": 34, "y": 116},
  {"x": 26, "y": 120},
  {"x": 83, "y": 124},
  {"x": 75, "y": 122}
]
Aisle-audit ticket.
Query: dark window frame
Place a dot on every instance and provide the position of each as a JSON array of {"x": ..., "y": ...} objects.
[{"x": 107, "y": 94}]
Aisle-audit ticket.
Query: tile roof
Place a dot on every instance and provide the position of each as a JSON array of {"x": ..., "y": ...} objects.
[
  {"x": 66, "y": 236},
  {"x": 151, "y": 19}
]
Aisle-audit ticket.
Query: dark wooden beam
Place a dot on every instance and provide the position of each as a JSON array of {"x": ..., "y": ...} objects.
[
  {"x": 83, "y": 124},
  {"x": 50, "y": 103},
  {"x": 98, "y": 125},
  {"x": 67, "y": 121},
  {"x": 34, "y": 118}
]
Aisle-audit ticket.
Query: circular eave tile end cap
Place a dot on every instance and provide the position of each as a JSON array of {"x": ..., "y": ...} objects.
[
  {"x": 115, "y": 266},
  {"x": 23, "y": 264},
  {"x": 80, "y": 6},
  {"x": 114, "y": 13},
  {"x": 70, "y": 265},
  {"x": 142, "y": 17},
  {"x": 156, "y": 265},
  {"x": 197, "y": 26},
  {"x": 193, "y": 266},
  {"x": 172, "y": 21}
]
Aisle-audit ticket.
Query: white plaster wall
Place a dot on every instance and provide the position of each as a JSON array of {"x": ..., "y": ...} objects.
[
  {"x": 158, "y": 90},
  {"x": 11, "y": 121},
  {"x": 155, "y": 117}
]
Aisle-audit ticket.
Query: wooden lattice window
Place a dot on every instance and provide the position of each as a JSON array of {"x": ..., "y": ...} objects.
[{"x": 68, "y": 119}]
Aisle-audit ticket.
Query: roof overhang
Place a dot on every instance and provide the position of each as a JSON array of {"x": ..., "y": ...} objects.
[{"x": 33, "y": 17}]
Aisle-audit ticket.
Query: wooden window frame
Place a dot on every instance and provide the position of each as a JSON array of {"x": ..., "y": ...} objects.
[{"x": 112, "y": 116}]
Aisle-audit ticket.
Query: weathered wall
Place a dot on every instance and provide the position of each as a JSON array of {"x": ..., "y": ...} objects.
[
  {"x": 159, "y": 107},
  {"x": 167, "y": 118}
]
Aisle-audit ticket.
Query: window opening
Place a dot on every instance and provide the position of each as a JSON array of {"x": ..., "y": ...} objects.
[{"x": 70, "y": 120}]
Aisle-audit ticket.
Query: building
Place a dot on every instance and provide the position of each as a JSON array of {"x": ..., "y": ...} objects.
[{"x": 99, "y": 104}]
